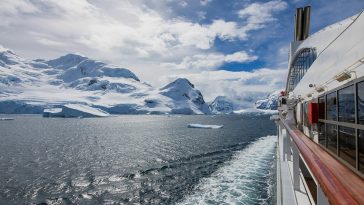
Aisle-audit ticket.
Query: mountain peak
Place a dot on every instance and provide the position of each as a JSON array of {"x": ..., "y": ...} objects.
[
  {"x": 4, "y": 49},
  {"x": 180, "y": 83},
  {"x": 270, "y": 103},
  {"x": 222, "y": 105},
  {"x": 66, "y": 61},
  {"x": 8, "y": 57}
]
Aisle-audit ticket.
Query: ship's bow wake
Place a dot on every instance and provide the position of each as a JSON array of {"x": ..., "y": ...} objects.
[{"x": 247, "y": 179}]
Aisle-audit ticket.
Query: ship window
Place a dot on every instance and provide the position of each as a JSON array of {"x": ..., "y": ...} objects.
[
  {"x": 361, "y": 150},
  {"x": 321, "y": 134},
  {"x": 305, "y": 114},
  {"x": 361, "y": 102},
  {"x": 346, "y": 104},
  {"x": 347, "y": 145},
  {"x": 331, "y": 106},
  {"x": 331, "y": 137},
  {"x": 321, "y": 102},
  {"x": 341, "y": 120}
]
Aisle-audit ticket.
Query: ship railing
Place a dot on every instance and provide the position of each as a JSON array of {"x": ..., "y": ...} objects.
[{"x": 335, "y": 182}]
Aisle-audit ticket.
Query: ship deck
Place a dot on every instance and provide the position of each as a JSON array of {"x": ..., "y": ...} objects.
[{"x": 308, "y": 174}]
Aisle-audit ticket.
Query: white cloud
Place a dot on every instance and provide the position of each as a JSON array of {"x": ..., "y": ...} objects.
[
  {"x": 243, "y": 87},
  {"x": 239, "y": 57},
  {"x": 257, "y": 15},
  {"x": 205, "y": 2},
  {"x": 183, "y": 3},
  {"x": 201, "y": 15},
  {"x": 211, "y": 61},
  {"x": 125, "y": 27}
]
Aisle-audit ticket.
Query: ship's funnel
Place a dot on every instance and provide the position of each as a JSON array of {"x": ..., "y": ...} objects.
[
  {"x": 302, "y": 23},
  {"x": 298, "y": 24},
  {"x": 306, "y": 22}
]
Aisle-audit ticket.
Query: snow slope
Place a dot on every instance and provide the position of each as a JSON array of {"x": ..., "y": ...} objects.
[
  {"x": 28, "y": 86},
  {"x": 222, "y": 105},
  {"x": 270, "y": 103},
  {"x": 184, "y": 98}
]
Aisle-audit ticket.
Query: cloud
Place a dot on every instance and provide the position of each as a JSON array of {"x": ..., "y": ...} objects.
[
  {"x": 205, "y": 2},
  {"x": 257, "y": 15},
  {"x": 244, "y": 88},
  {"x": 211, "y": 61},
  {"x": 183, "y": 3},
  {"x": 129, "y": 25}
]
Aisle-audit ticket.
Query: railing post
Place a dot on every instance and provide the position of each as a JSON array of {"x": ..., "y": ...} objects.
[
  {"x": 296, "y": 167},
  {"x": 284, "y": 144},
  {"x": 288, "y": 146},
  {"x": 321, "y": 198}
]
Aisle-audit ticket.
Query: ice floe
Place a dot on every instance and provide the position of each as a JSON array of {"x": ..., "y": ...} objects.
[{"x": 205, "y": 126}]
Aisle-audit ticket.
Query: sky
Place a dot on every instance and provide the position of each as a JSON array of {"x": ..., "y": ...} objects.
[{"x": 236, "y": 48}]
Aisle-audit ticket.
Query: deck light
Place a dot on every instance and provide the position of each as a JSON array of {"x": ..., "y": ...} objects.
[
  {"x": 342, "y": 76},
  {"x": 320, "y": 89}
]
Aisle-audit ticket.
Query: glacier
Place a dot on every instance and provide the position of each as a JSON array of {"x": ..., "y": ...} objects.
[{"x": 40, "y": 86}]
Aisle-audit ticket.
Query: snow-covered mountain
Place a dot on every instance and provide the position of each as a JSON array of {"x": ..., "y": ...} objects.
[
  {"x": 185, "y": 98},
  {"x": 270, "y": 103},
  {"x": 222, "y": 105},
  {"x": 29, "y": 86}
]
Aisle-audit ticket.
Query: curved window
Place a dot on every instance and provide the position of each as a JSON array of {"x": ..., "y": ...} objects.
[{"x": 299, "y": 66}]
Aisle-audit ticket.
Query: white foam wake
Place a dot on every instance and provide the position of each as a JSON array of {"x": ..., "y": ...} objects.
[{"x": 243, "y": 180}]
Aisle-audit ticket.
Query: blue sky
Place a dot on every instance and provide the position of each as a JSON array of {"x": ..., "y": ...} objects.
[
  {"x": 236, "y": 48},
  {"x": 276, "y": 34}
]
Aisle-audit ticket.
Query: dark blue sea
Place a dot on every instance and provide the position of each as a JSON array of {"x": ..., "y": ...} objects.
[{"x": 137, "y": 159}]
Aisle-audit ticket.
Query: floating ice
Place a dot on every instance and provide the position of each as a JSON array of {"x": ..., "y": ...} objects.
[
  {"x": 75, "y": 110},
  {"x": 5, "y": 119},
  {"x": 205, "y": 126}
]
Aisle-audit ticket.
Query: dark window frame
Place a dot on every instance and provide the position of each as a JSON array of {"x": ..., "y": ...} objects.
[{"x": 355, "y": 125}]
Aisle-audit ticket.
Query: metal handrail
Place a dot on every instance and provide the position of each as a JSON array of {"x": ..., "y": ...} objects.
[{"x": 340, "y": 184}]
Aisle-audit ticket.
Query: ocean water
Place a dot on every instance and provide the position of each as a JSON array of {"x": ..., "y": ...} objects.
[{"x": 137, "y": 159}]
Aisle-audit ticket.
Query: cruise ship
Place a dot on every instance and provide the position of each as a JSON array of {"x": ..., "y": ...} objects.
[{"x": 320, "y": 151}]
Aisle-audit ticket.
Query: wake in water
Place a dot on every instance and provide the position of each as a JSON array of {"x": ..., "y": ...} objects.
[{"x": 247, "y": 179}]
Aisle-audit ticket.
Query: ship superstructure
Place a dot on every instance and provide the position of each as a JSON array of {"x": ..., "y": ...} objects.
[{"x": 320, "y": 155}]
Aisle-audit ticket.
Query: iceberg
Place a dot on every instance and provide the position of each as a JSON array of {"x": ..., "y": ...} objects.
[
  {"x": 205, "y": 126},
  {"x": 6, "y": 119},
  {"x": 75, "y": 110}
]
